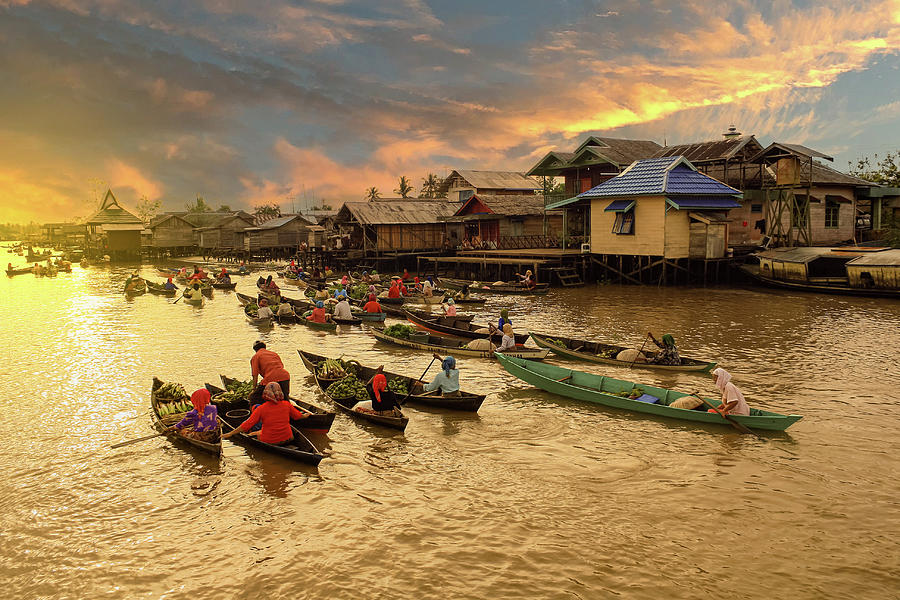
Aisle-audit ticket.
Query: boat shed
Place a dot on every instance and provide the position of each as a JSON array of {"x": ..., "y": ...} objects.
[
  {"x": 393, "y": 226},
  {"x": 113, "y": 231}
]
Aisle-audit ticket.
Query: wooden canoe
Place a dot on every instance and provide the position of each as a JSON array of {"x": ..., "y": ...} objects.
[
  {"x": 193, "y": 301},
  {"x": 19, "y": 271},
  {"x": 367, "y": 316},
  {"x": 488, "y": 288},
  {"x": 136, "y": 292},
  {"x": 443, "y": 345},
  {"x": 311, "y": 360},
  {"x": 457, "y": 327},
  {"x": 264, "y": 322},
  {"x": 225, "y": 286},
  {"x": 318, "y": 419},
  {"x": 299, "y": 449},
  {"x": 211, "y": 447},
  {"x": 604, "y": 390},
  {"x": 595, "y": 351},
  {"x": 155, "y": 288},
  {"x": 466, "y": 401},
  {"x": 469, "y": 300},
  {"x": 326, "y": 326},
  {"x": 423, "y": 299}
]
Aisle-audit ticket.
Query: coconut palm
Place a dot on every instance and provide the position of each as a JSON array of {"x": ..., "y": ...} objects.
[
  {"x": 372, "y": 193},
  {"x": 404, "y": 188},
  {"x": 430, "y": 186}
]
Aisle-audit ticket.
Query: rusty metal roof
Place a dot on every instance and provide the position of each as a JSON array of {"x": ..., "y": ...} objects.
[
  {"x": 509, "y": 205},
  {"x": 716, "y": 150},
  {"x": 492, "y": 180},
  {"x": 412, "y": 212}
]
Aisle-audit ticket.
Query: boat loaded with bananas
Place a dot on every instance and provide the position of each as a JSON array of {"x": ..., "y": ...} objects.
[
  {"x": 456, "y": 326},
  {"x": 169, "y": 403},
  {"x": 409, "y": 337},
  {"x": 626, "y": 395},
  {"x": 599, "y": 352},
  {"x": 466, "y": 401},
  {"x": 344, "y": 382},
  {"x": 236, "y": 392},
  {"x": 506, "y": 287}
]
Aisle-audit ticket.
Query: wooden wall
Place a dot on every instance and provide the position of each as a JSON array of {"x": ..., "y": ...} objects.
[
  {"x": 883, "y": 277},
  {"x": 649, "y": 238},
  {"x": 173, "y": 233},
  {"x": 424, "y": 236},
  {"x": 777, "y": 269}
]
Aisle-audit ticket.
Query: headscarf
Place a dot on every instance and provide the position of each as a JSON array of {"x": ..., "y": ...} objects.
[
  {"x": 528, "y": 273},
  {"x": 320, "y": 304},
  {"x": 224, "y": 271},
  {"x": 200, "y": 399},
  {"x": 269, "y": 279},
  {"x": 378, "y": 385},
  {"x": 431, "y": 281},
  {"x": 722, "y": 378},
  {"x": 507, "y": 329},
  {"x": 449, "y": 300},
  {"x": 447, "y": 364},
  {"x": 415, "y": 279},
  {"x": 371, "y": 289},
  {"x": 465, "y": 288},
  {"x": 169, "y": 280},
  {"x": 196, "y": 285},
  {"x": 272, "y": 393},
  {"x": 365, "y": 273},
  {"x": 371, "y": 297},
  {"x": 504, "y": 313},
  {"x": 668, "y": 340},
  {"x": 263, "y": 302},
  {"x": 344, "y": 280}
]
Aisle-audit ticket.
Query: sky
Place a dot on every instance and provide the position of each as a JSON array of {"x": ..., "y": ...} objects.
[{"x": 300, "y": 103}]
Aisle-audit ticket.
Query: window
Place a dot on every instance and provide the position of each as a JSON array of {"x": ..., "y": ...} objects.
[
  {"x": 624, "y": 224},
  {"x": 465, "y": 195},
  {"x": 756, "y": 208},
  {"x": 832, "y": 211}
]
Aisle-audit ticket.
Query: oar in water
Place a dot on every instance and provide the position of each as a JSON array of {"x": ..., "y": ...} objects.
[
  {"x": 140, "y": 439},
  {"x": 412, "y": 383}
]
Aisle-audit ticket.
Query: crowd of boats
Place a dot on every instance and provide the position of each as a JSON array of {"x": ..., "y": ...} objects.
[{"x": 434, "y": 327}]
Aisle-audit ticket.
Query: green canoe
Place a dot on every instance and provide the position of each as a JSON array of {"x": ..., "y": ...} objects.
[{"x": 603, "y": 390}]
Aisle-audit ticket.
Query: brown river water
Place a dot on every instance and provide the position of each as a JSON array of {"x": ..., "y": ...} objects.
[{"x": 535, "y": 496}]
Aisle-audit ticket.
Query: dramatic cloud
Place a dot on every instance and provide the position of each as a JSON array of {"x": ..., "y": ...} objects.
[{"x": 255, "y": 102}]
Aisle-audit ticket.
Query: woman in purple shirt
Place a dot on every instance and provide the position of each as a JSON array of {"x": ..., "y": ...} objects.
[{"x": 201, "y": 423}]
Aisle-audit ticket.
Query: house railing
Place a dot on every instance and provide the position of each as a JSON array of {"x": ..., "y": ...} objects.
[{"x": 520, "y": 242}]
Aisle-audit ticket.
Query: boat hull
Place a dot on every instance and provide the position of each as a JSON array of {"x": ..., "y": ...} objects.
[
  {"x": 601, "y": 390},
  {"x": 212, "y": 448},
  {"x": 318, "y": 420},
  {"x": 445, "y": 345}
]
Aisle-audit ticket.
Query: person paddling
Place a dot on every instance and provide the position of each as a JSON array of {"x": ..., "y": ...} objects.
[
  {"x": 275, "y": 414},
  {"x": 201, "y": 423},
  {"x": 733, "y": 402},
  {"x": 447, "y": 381}
]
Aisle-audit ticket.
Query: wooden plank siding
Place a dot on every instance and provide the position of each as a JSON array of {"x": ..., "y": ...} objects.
[{"x": 173, "y": 232}]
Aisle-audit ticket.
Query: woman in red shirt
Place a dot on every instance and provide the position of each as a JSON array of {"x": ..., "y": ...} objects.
[
  {"x": 372, "y": 305},
  {"x": 394, "y": 292},
  {"x": 275, "y": 413},
  {"x": 318, "y": 314}
]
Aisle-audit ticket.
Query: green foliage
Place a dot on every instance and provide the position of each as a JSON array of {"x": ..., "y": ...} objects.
[
  {"x": 223, "y": 208},
  {"x": 885, "y": 172},
  {"x": 372, "y": 194},
  {"x": 404, "y": 187},
  {"x": 270, "y": 211},
  {"x": 147, "y": 208},
  {"x": 399, "y": 331},
  {"x": 198, "y": 206},
  {"x": 431, "y": 184}
]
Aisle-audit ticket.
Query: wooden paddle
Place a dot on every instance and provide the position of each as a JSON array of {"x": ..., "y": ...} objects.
[
  {"x": 140, "y": 439},
  {"x": 411, "y": 384},
  {"x": 639, "y": 352},
  {"x": 740, "y": 427}
]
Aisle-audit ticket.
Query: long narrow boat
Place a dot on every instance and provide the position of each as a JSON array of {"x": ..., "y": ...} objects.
[
  {"x": 443, "y": 345},
  {"x": 259, "y": 322},
  {"x": 326, "y": 326},
  {"x": 367, "y": 316},
  {"x": 469, "y": 300},
  {"x": 466, "y": 401},
  {"x": 136, "y": 292},
  {"x": 156, "y": 401},
  {"x": 456, "y": 327},
  {"x": 490, "y": 288},
  {"x": 424, "y": 299},
  {"x": 599, "y": 352},
  {"x": 224, "y": 286},
  {"x": 318, "y": 420},
  {"x": 299, "y": 448},
  {"x": 155, "y": 288},
  {"x": 347, "y": 404},
  {"x": 606, "y": 391},
  {"x": 19, "y": 271},
  {"x": 192, "y": 301}
]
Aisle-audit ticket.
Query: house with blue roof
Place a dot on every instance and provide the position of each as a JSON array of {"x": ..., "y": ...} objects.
[{"x": 657, "y": 207}]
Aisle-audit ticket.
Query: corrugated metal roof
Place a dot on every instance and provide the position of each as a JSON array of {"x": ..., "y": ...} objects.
[
  {"x": 715, "y": 150},
  {"x": 509, "y": 204},
  {"x": 278, "y": 222},
  {"x": 397, "y": 213},
  {"x": 493, "y": 180},
  {"x": 797, "y": 255},
  {"x": 884, "y": 258},
  {"x": 667, "y": 175},
  {"x": 822, "y": 174},
  {"x": 781, "y": 149}
]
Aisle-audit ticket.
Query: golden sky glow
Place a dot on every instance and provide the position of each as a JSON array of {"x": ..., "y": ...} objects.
[{"x": 246, "y": 104}]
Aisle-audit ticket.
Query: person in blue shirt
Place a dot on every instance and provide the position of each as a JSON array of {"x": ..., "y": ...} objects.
[
  {"x": 447, "y": 381},
  {"x": 169, "y": 285},
  {"x": 504, "y": 319}
]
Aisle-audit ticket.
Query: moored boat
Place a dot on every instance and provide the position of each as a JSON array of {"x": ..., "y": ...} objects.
[
  {"x": 443, "y": 345},
  {"x": 599, "y": 352},
  {"x": 466, "y": 401},
  {"x": 457, "y": 327},
  {"x": 491, "y": 288},
  {"x": 160, "y": 404},
  {"x": 224, "y": 286},
  {"x": 617, "y": 393}
]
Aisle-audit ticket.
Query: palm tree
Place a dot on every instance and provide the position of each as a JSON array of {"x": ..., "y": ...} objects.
[
  {"x": 430, "y": 186},
  {"x": 372, "y": 194},
  {"x": 404, "y": 188}
]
